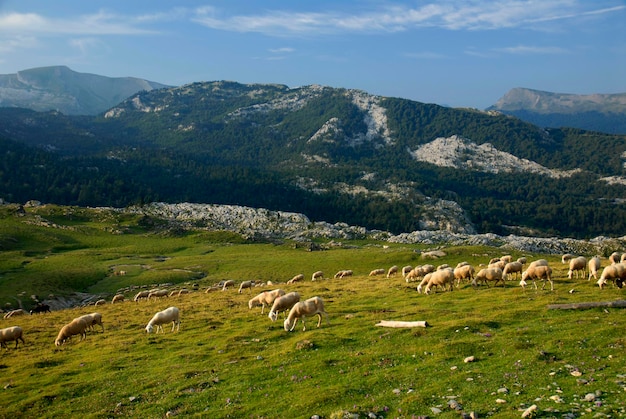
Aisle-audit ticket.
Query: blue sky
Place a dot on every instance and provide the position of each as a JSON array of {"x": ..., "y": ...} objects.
[{"x": 462, "y": 53}]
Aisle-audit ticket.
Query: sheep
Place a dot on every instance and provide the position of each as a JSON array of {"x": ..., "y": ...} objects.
[
  {"x": 498, "y": 264},
  {"x": 182, "y": 291},
  {"x": 616, "y": 272},
  {"x": 78, "y": 326},
  {"x": 100, "y": 302},
  {"x": 347, "y": 272},
  {"x": 463, "y": 272},
  {"x": 506, "y": 258},
  {"x": 8, "y": 334},
  {"x": 226, "y": 284},
  {"x": 615, "y": 257},
  {"x": 317, "y": 275},
  {"x": 440, "y": 278},
  {"x": 594, "y": 266},
  {"x": 246, "y": 284},
  {"x": 117, "y": 298},
  {"x": 266, "y": 298},
  {"x": 141, "y": 295},
  {"x": 534, "y": 272},
  {"x": 424, "y": 282},
  {"x": 515, "y": 267},
  {"x": 338, "y": 274},
  {"x": 93, "y": 319},
  {"x": 419, "y": 272},
  {"x": 488, "y": 274},
  {"x": 576, "y": 265},
  {"x": 170, "y": 314},
  {"x": 15, "y": 313},
  {"x": 392, "y": 271},
  {"x": 310, "y": 307},
  {"x": 566, "y": 258},
  {"x": 283, "y": 303},
  {"x": 522, "y": 260},
  {"x": 494, "y": 260},
  {"x": 295, "y": 279},
  {"x": 377, "y": 272},
  {"x": 158, "y": 294},
  {"x": 405, "y": 270}
]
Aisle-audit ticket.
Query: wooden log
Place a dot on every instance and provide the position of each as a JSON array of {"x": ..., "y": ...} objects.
[
  {"x": 396, "y": 323},
  {"x": 583, "y": 306}
]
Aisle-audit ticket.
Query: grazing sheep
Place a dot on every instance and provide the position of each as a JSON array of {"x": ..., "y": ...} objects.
[
  {"x": 266, "y": 298},
  {"x": 566, "y": 257},
  {"x": 419, "y": 272},
  {"x": 392, "y": 271},
  {"x": 8, "y": 334},
  {"x": 424, "y": 282},
  {"x": 494, "y": 260},
  {"x": 347, "y": 272},
  {"x": 615, "y": 257},
  {"x": 499, "y": 264},
  {"x": 226, "y": 284},
  {"x": 489, "y": 274},
  {"x": 338, "y": 274},
  {"x": 594, "y": 266},
  {"x": 158, "y": 294},
  {"x": 141, "y": 295},
  {"x": 440, "y": 278},
  {"x": 170, "y": 314},
  {"x": 463, "y": 272},
  {"x": 377, "y": 272},
  {"x": 78, "y": 326},
  {"x": 40, "y": 308},
  {"x": 512, "y": 268},
  {"x": 535, "y": 272},
  {"x": 295, "y": 279},
  {"x": 118, "y": 298},
  {"x": 101, "y": 302},
  {"x": 616, "y": 272},
  {"x": 182, "y": 291},
  {"x": 522, "y": 260},
  {"x": 317, "y": 275},
  {"x": 577, "y": 265},
  {"x": 93, "y": 319},
  {"x": 405, "y": 270},
  {"x": 301, "y": 309},
  {"x": 246, "y": 284},
  {"x": 506, "y": 258},
  {"x": 15, "y": 313},
  {"x": 283, "y": 303}
]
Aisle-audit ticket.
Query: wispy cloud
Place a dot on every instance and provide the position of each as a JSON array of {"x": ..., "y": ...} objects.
[
  {"x": 283, "y": 50},
  {"x": 529, "y": 49},
  {"x": 446, "y": 14},
  {"x": 426, "y": 55}
]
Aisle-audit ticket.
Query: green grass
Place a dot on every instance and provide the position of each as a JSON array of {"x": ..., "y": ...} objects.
[{"x": 229, "y": 361}]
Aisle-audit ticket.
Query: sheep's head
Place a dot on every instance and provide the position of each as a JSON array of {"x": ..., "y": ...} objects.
[
  {"x": 287, "y": 325},
  {"x": 149, "y": 328},
  {"x": 273, "y": 316}
]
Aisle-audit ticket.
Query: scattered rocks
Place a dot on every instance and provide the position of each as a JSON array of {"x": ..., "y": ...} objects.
[{"x": 470, "y": 359}]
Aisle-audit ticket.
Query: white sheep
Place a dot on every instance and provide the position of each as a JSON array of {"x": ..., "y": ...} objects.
[
  {"x": 506, "y": 258},
  {"x": 538, "y": 271},
  {"x": 440, "y": 278},
  {"x": 93, "y": 319},
  {"x": 182, "y": 291},
  {"x": 266, "y": 298},
  {"x": 616, "y": 272},
  {"x": 170, "y": 314},
  {"x": 246, "y": 284},
  {"x": 311, "y": 307},
  {"x": 158, "y": 294},
  {"x": 577, "y": 265},
  {"x": 118, "y": 298},
  {"x": 345, "y": 273},
  {"x": 405, "y": 270},
  {"x": 515, "y": 267},
  {"x": 463, "y": 272},
  {"x": 392, "y": 271},
  {"x": 377, "y": 272},
  {"x": 228, "y": 283},
  {"x": 78, "y": 326},
  {"x": 424, "y": 282},
  {"x": 488, "y": 274},
  {"x": 295, "y": 279},
  {"x": 8, "y": 334},
  {"x": 566, "y": 258},
  {"x": 522, "y": 260},
  {"x": 15, "y": 313},
  {"x": 594, "y": 266},
  {"x": 141, "y": 295},
  {"x": 317, "y": 275},
  {"x": 500, "y": 264},
  {"x": 100, "y": 302},
  {"x": 615, "y": 257},
  {"x": 283, "y": 303}
]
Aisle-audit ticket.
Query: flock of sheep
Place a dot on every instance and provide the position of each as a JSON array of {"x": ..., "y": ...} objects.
[{"x": 427, "y": 276}]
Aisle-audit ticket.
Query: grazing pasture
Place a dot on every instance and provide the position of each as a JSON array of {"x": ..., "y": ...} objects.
[{"x": 494, "y": 351}]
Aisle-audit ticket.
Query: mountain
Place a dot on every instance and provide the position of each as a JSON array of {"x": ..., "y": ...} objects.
[
  {"x": 66, "y": 91},
  {"x": 335, "y": 155},
  {"x": 597, "y": 112}
]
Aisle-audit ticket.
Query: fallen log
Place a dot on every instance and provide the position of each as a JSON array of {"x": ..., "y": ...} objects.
[
  {"x": 583, "y": 306},
  {"x": 396, "y": 323}
]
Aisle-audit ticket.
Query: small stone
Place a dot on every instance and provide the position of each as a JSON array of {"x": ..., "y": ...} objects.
[
  {"x": 530, "y": 411},
  {"x": 397, "y": 391},
  {"x": 435, "y": 410},
  {"x": 590, "y": 397},
  {"x": 453, "y": 404},
  {"x": 132, "y": 398},
  {"x": 469, "y": 359},
  {"x": 556, "y": 399},
  {"x": 500, "y": 401},
  {"x": 576, "y": 373},
  {"x": 503, "y": 390}
]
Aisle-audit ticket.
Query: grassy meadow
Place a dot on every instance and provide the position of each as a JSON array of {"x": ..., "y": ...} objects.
[{"x": 230, "y": 361}]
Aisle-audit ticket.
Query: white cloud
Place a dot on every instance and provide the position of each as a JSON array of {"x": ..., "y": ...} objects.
[
  {"x": 447, "y": 14},
  {"x": 529, "y": 49},
  {"x": 284, "y": 50}
]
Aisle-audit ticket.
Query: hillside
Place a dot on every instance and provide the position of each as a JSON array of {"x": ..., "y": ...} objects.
[
  {"x": 60, "y": 89},
  {"x": 596, "y": 112},
  {"x": 335, "y": 155}
]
